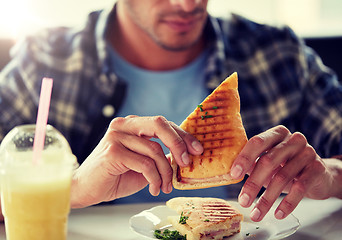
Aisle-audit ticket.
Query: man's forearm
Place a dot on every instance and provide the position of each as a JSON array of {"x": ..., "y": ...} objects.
[{"x": 335, "y": 166}]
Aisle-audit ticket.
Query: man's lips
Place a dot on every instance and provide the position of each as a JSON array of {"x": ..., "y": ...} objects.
[{"x": 181, "y": 25}]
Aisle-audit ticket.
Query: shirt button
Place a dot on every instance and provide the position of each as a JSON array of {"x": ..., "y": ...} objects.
[{"x": 108, "y": 111}]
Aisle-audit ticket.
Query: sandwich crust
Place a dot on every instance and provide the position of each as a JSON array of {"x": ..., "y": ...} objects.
[{"x": 217, "y": 124}]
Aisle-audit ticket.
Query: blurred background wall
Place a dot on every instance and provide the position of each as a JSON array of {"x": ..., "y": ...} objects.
[{"x": 319, "y": 22}]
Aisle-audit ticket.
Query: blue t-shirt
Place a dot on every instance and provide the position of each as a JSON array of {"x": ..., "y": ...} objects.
[{"x": 172, "y": 94}]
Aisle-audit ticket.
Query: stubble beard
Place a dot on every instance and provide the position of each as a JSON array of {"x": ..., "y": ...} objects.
[
  {"x": 161, "y": 40},
  {"x": 175, "y": 47}
]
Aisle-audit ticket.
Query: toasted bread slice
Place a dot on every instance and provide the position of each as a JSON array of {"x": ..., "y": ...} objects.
[
  {"x": 204, "y": 218},
  {"x": 217, "y": 124}
]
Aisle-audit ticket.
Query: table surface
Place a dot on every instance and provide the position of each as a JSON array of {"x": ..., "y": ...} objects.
[{"x": 318, "y": 219}]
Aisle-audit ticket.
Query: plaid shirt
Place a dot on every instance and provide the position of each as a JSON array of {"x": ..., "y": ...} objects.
[{"x": 281, "y": 81}]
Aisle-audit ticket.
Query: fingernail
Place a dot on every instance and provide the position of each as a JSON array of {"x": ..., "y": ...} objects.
[
  {"x": 197, "y": 146},
  {"x": 154, "y": 191},
  {"x": 279, "y": 214},
  {"x": 169, "y": 188},
  {"x": 255, "y": 214},
  {"x": 236, "y": 172},
  {"x": 185, "y": 158},
  {"x": 244, "y": 200},
  {"x": 157, "y": 191}
]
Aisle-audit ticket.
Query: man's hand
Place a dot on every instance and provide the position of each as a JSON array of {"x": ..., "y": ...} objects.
[
  {"x": 282, "y": 161},
  {"x": 126, "y": 160}
]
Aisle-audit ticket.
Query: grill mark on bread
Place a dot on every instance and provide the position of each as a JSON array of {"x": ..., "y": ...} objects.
[
  {"x": 208, "y": 218},
  {"x": 217, "y": 212},
  {"x": 179, "y": 176},
  {"x": 225, "y": 130},
  {"x": 220, "y": 130},
  {"x": 216, "y": 144},
  {"x": 216, "y": 140},
  {"x": 214, "y": 136},
  {"x": 209, "y": 121},
  {"x": 208, "y": 155},
  {"x": 214, "y": 212},
  {"x": 214, "y": 148},
  {"x": 216, "y": 123},
  {"x": 211, "y": 152},
  {"x": 222, "y": 126},
  {"x": 216, "y": 207},
  {"x": 191, "y": 166}
]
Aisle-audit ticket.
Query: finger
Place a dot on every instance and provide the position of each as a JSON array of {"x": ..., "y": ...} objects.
[
  {"x": 155, "y": 152},
  {"x": 193, "y": 145},
  {"x": 286, "y": 206},
  {"x": 291, "y": 170},
  {"x": 147, "y": 168},
  {"x": 255, "y": 147},
  {"x": 290, "y": 201},
  {"x": 172, "y": 140},
  {"x": 130, "y": 183},
  {"x": 130, "y": 160},
  {"x": 168, "y": 157},
  {"x": 270, "y": 165},
  {"x": 270, "y": 195},
  {"x": 132, "y": 116},
  {"x": 304, "y": 186},
  {"x": 158, "y": 127}
]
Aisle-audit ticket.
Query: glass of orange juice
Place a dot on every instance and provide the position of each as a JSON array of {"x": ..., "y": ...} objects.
[{"x": 35, "y": 197}]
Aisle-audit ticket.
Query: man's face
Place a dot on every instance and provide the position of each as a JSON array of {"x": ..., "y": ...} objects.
[{"x": 172, "y": 24}]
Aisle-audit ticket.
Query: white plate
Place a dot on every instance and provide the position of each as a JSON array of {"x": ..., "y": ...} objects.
[{"x": 149, "y": 220}]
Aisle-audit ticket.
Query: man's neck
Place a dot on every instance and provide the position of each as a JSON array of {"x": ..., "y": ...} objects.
[{"x": 145, "y": 53}]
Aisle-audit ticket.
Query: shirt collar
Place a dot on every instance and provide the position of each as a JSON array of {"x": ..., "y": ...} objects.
[
  {"x": 100, "y": 36},
  {"x": 107, "y": 79},
  {"x": 218, "y": 48}
]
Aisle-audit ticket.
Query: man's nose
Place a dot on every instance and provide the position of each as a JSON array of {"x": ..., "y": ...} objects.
[{"x": 186, "y": 5}]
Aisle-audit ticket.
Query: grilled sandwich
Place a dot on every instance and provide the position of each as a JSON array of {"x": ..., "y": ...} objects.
[
  {"x": 217, "y": 124},
  {"x": 204, "y": 218}
]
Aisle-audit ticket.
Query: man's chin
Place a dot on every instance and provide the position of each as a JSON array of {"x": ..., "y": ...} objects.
[{"x": 177, "y": 47}]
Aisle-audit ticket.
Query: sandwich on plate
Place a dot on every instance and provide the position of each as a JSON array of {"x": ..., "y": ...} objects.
[
  {"x": 217, "y": 124},
  {"x": 204, "y": 218}
]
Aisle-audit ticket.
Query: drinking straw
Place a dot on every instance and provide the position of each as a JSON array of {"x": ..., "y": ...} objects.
[{"x": 42, "y": 117}]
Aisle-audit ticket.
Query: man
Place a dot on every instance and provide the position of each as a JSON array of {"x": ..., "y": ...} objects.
[{"x": 159, "y": 58}]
